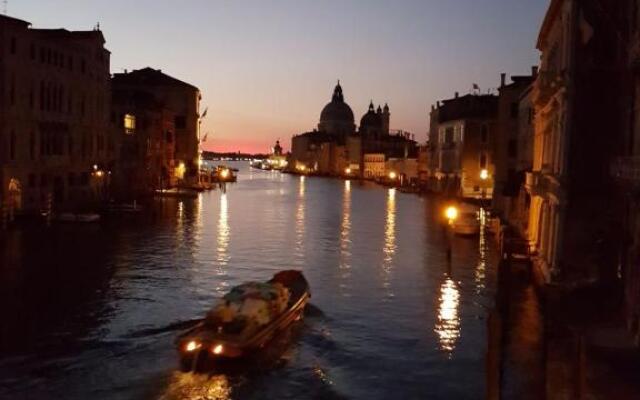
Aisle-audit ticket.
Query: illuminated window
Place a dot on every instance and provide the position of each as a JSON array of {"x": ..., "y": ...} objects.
[{"x": 129, "y": 124}]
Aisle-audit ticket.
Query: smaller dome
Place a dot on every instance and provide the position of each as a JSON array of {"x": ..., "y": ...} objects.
[{"x": 371, "y": 119}]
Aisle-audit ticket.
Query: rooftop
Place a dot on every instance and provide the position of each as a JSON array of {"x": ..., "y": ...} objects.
[{"x": 149, "y": 76}]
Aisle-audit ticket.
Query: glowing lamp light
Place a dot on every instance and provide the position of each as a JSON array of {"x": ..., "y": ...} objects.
[
  {"x": 484, "y": 174},
  {"x": 99, "y": 174},
  {"x": 95, "y": 167},
  {"x": 347, "y": 171},
  {"x": 392, "y": 175},
  {"x": 217, "y": 350},
  {"x": 451, "y": 213},
  {"x": 192, "y": 345},
  {"x": 224, "y": 173}
]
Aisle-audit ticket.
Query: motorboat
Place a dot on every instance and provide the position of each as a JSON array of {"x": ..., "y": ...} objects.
[
  {"x": 218, "y": 340},
  {"x": 467, "y": 222}
]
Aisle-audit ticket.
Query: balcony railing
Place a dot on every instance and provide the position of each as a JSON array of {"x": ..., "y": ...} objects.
[
  {"x": 547, "y": 84},
  {"x": 626, "y": 169}
]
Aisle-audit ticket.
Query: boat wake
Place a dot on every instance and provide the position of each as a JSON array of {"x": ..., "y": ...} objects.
[{"x": 175, "y": 326}]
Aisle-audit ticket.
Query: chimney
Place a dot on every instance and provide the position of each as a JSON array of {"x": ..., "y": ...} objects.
[
  {"x": 503, "y": 79},
  {"x": 534, "y": 71},
  {"x": 457, "y": 94}
]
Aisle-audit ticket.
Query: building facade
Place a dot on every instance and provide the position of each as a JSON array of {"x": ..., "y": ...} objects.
[
  {"x": 144, "y": 131},
  {"x": 461, "y": 143},
  {"x": 509, "y": 173},
  {"x": 54, "y": 117},
  {"x": 180, "y": 99},
  {"x": 579, "y": 123}
]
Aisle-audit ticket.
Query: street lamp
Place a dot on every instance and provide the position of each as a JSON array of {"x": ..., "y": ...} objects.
[
  {"x": 392, "y": 175},
  {"x": 484, "y": 174},
  {"x": 347, "y": 171},
  {"x": 451, "y": 213}
]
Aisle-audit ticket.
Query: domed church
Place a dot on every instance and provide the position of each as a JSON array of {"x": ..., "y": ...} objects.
[
  {"x": 336, "y": 117},
  {"x": 375, "y": 123},
  {"x": 336, "y": 145}
]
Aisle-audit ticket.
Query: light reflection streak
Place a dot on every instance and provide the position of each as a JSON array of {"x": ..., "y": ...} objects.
[
  {"x": 180, "y": 223},
  {"x": 448, "y": 323},
  {"x": 345, "y": 240},
  {"x": 389, "y": 249},
  {"x": 224, "y": 234},
  {"x": 300, "y": 221},
  {"x": 480, "y": 271},
  {"x": 189, "y": 386}
]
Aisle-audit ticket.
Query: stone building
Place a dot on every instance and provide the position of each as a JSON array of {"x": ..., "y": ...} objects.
[
  {"x": 54, "y": 113},
  {"x": 144, "y": 131},
  {"x": 461, "y": 142},
  {"x": 626, "y": 169},
  {"x": 509, "y": 175},
  {"x": 519, "y": 205},
  {"x": 336, "y": 147},
  {"x": 183, "y": 101},
  {"x": 579, "y": 123}
]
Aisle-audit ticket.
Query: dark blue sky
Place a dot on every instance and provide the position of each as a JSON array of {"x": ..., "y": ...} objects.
[{"x": 266, "y": 69}]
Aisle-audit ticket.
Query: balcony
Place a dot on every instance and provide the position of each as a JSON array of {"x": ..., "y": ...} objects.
[
  {"x": 547, "y": 85},
  {"x": 626, "y": 170}
]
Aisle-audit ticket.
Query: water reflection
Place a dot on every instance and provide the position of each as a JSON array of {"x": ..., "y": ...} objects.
[
  {"x": 300, "y": 221},
  {"x": 345, "y": 237},
  {"x": 224, "y": 233},
  {"x": 448, "y": 322},
  {"x": 480, "y": 272},
  {"x": 389, "y": 249},
  {"x": 188, "y": 386}
]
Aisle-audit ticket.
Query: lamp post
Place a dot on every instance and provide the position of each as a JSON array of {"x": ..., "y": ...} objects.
[{"x": 451, "y": 213}]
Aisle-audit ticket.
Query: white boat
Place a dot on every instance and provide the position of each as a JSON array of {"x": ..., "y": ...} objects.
[{"x": 467, "y": 223}]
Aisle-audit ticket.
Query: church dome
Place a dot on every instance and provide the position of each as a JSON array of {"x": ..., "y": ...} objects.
[{"x": 336, "y": 114}]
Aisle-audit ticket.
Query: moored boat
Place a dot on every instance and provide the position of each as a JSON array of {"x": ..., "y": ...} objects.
[
  {"x": 222, "y": 337},
  {"x": 73, "y": 217},
  {"x": 467, "y": 223}
]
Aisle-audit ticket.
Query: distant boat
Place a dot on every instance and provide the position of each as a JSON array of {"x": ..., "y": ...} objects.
[
  {"x": 468, "y": 221},
  {"x": 124, "y": 208},
  {"x": 73, "y": 217},
  {"x": 177, "y": 192}
]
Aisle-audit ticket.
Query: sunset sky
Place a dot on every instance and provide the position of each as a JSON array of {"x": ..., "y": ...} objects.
[{"x": 266, "y": 69}]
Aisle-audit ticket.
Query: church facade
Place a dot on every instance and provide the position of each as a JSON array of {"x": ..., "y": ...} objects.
[{"x": 338, "y": 148}]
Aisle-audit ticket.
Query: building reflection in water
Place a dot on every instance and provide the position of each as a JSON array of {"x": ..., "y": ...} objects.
[
  {"x": 224, "y": 233},
  {"x": 448, "y": 318},
  {"x": 300, "y": 216},
  {"x": 480, "y": 272},
  {"x": 389, "y": 241},
  {"x": 345, "y": 238}
]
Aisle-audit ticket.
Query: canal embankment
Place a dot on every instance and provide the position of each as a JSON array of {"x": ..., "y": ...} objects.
[{"x": 554, "y": 342}]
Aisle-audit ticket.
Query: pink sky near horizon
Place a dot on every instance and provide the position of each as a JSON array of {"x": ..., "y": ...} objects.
[{"x": 266, "y": 70}]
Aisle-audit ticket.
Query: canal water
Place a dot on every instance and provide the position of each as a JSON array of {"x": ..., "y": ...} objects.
[{"x": 91, "y": 312}]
